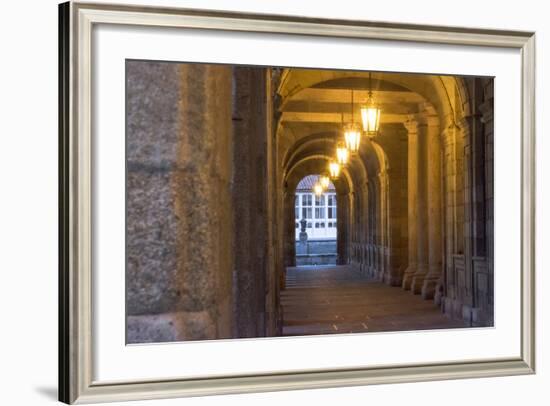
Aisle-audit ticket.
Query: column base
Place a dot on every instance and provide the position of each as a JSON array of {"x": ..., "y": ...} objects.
[
  {"x": 428, "y": 288},
  {"x": 407, "y": 278},
  {"x": 392, "y": 280},
  {"x": 482, "y": 318},
  {"x": 438, "y": 297},
  {"x": 417, "y": 283}
]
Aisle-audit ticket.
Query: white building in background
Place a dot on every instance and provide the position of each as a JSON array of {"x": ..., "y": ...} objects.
[{"x": 318, "y": 211}]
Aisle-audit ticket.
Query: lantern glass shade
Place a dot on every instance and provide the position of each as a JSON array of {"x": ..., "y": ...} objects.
[
  {"x": 370, "y": 115},
  {"x": 352, "y": 136},
  {"x": 334, "y": 169},
  {"x": 342, "y": 154},
  {"x": 318, "y": 189},
  {"x": 324, "y": 181}
]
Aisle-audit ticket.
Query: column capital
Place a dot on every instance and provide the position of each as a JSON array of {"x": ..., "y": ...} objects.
[
  {"x": 422, "y": 119},
  {"x": 429, "y": 120},
  {"x": 410, "y": 124}
]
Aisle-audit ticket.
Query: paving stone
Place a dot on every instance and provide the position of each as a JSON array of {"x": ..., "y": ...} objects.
[{"x": 338, "y": 299}]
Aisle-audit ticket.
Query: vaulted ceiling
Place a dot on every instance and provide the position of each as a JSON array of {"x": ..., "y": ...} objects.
[{"x": 315, "y": 103}]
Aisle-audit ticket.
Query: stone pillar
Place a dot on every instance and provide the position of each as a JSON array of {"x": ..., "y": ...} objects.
[
  {"x": 465, "y": 302},
  {"x": 422, "y": 206},
  {"x": 394, "y": 181},
  {"x": 434, "y": 209},
  {"x": 487, "y": 294},
  {"x": 289, "y": 229},
  {"x": 203, "y": 202},
  {"x": 152, "y": 296},
  {"x": 371, "y": 221},
  {"x": 272, "y": 234},
  {"x": 179, "y": 217},
  {"x": 342, "y": 214},
  {"x": 250, "y": 201},
  {"x": 445, "y": 289},
  {"x": 383, "y": 226},
  {"x": 412, "y": 185}
]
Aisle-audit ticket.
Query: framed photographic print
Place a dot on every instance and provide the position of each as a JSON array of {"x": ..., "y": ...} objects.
[{"x": 261, "y": 202}]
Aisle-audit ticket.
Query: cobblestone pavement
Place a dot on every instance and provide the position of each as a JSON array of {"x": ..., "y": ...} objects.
[{"x": 337, "y": 299}]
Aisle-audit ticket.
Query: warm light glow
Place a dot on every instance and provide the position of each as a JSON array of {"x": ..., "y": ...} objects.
[
  {"x": 334, "y": 169},
  {"x": 318, "y": 189},
  {"x": 352, "y": 136},
  {"x": 342, "y": 154},
  {"x": 370, "y": 114},
  {"x": 324, "y": 181}
]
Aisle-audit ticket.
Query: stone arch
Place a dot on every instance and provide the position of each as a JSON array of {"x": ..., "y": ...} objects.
[
  {"x": 435, "y": 89},
  {"x": 315, "y": 164}
]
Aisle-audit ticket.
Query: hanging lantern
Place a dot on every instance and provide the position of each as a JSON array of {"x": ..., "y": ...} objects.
[
  {"x": 324, "y": 181},
  {"x": 352, "y": 132},
  {"x": 342, "y": 154},
  {"x": 318, "y": 189},
  {"x": 334, "y": 169},
  {"x": 352, "y": 137},
  {"x": 370, "y": 114}
]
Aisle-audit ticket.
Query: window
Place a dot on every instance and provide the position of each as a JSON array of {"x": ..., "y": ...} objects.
[
  {"x": 320, "y": 207},
  {"x": 307, "y": 209},
  {"x": 297, "y": 225},
  {"x": 308, "y": 225},
  {"x": 320, "y": 200},
  {"x": 332, "y": 206}
]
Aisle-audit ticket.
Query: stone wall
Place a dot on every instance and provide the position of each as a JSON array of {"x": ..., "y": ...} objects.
[{"x": 199, "y": 251}]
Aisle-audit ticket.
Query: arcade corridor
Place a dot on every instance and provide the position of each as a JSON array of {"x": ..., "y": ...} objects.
[
  {"x": 338, "y": 299},
  {"x": 212, "y": 215}
]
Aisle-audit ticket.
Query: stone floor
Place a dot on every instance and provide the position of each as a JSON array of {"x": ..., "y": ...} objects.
[{"x": 336, "y": 299}]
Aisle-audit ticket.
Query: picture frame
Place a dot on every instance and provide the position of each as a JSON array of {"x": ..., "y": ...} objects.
[{"x": 76, "y": 349}]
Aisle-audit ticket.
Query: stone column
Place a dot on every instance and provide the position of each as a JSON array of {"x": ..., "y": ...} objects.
[
  {"x": 251, "y": 212},
  {"x": 412, "y": 185},
  {"x": 371, "y": 228},
  {"x": 383, "y": 226},
  {"x": 151, "y": 226},
  {"x": 179, "y": 206},
  {"x": 486, "y": 317},
  {"x": 342, "y": 214},
  {"x": 289, "y": 229},
  {"x": 203, "y": 202},
  {"x": 434, "y": 209},
  {"x": 422, "y": 206},
  {"x": 444, "y": 291}
]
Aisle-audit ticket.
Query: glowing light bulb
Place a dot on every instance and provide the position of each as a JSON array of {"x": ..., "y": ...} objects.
[
  {"x": 342, "y": 155},
  {"x": 318, "y": 189},
  {"x": 324, "y": 181},
  {"x": 370, "y": 115},
  {"x": 334, "y": 169}
]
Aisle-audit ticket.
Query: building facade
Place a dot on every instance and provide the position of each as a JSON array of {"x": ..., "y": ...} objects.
[{"x": 318, "y": 211}]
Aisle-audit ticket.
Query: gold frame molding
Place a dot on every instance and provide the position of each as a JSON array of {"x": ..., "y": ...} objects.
[{"x": 76, "y": 21}]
